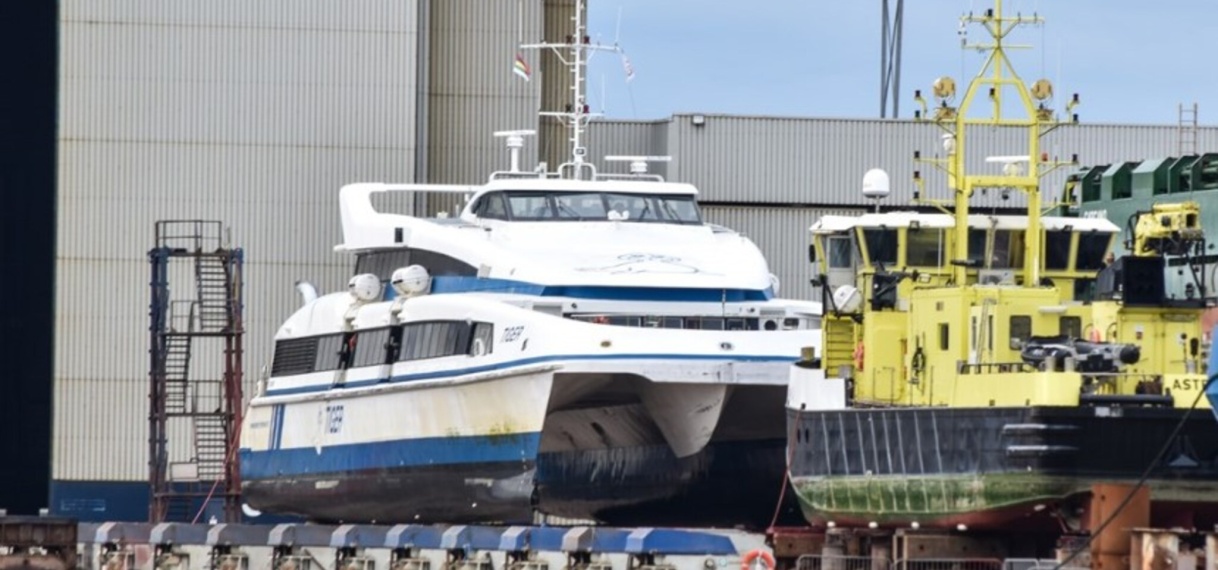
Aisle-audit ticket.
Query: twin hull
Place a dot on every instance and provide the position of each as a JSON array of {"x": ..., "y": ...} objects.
[{"x": 500, "y": 446}]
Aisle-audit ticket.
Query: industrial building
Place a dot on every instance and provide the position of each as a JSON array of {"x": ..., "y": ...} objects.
[{"x": 255, "y": 114}]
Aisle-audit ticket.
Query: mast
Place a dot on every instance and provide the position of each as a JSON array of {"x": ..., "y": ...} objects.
[
  {"x": 576, "y": 117},
  {"x": 1019, "y": 172}
]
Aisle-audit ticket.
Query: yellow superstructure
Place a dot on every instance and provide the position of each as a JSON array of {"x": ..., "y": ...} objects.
[{"x": 942, "y": 309}]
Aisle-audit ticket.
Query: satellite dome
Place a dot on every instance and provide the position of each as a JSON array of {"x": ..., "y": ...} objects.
[{"x": 875, "y": 184}]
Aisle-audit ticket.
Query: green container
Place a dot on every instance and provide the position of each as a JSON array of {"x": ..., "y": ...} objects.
[
  {"x": 1205, "y": 172},
  {"x": 1089, "y": 182},
  {"x": 1117, "y": 182},
  {"x": 1180, "y": 175},
  {"x": 1150, "y": 177}
]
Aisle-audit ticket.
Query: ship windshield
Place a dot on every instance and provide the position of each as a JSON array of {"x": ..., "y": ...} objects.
[
  {"x": 881, "y": 245},
  {"x": 1091, "y": 250},
  {"x": 1057, "y": 249},
  {"x": 536, "y": 206}
]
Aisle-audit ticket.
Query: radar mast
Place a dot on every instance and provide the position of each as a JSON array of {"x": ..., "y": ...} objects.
[{"x": 1018, "y": 172}]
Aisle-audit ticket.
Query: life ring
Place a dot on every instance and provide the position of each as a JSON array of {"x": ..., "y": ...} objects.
[
  {"x": 746, "y": 563},
  {"x": 858, "y": 356}
]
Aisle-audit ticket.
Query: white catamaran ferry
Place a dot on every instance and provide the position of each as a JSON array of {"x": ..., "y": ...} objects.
[{"x": 572, "y": 343}]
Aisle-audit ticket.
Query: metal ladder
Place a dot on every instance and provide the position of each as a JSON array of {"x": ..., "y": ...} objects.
[
  {"x": 177, "y": 372},
  {"x": 211, "y": 446},
  {"x": 212, "y": 282}
]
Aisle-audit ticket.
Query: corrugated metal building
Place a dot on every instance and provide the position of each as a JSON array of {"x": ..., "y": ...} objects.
[
  {"x": 256, "y": 113},
  {"x": 771, "y": 177}
]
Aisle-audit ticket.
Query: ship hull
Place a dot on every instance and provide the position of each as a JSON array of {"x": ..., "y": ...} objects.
[
  {"x": 646, "y": 486},
  {"x": 566, "y": 446},
  {"x": 728, "y": 484},
  {"x": 994, "y": 467}
]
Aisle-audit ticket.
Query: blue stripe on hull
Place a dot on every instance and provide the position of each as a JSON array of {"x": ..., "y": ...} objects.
[
  {"x": 459, "y": 284},
  {"x": 526, "y": 362},
  {"x": 348, "y": 458}
]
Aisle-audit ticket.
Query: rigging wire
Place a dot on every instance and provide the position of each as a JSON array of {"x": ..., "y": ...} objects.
[{"x": 1141, "y": 480}]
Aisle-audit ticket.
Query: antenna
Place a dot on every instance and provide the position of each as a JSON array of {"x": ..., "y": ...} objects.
[
  {"x": 1019, "y": 172},
  {"x": 576, "y": 117},
  {"x": 515, "y": 142},
  {"x": 890, "y": 57}
]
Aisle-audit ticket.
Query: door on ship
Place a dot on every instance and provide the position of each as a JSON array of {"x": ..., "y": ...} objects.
[{"x": 840, "y": 251}]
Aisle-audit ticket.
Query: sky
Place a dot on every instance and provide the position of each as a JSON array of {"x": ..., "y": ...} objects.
[{"x": 1130, "y": 61}]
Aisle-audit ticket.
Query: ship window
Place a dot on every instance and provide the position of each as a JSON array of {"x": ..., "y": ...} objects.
[
  {"x": 483, "y": 339},
  {"x": 881, "y": 245},
  {"x": 393, "y": 348},
  {"x": 384, "y": 263},
  {"x": 1008, "y": 249},
  {"x": 925, "y": 246},
  {"x": 329, "y": 352},
  {"x": 1021, "y": 330},
  {"x": 840, "y": 250},
  {"x": 1070, "y": 327},
  {"x": 346, "y": 355},
  {"x": 679, "y": 209},
  {"x": 491, "y": 207},
  {"x": 433, "y": 339},
  {"x": 976, "y": 245},
  {"x": 410, "y": 343},
  {"x": 1057, "y": 250},
  {"x": 586, "y": 206},
  {"x": 530, "y": 206},
  {"x": 944, "y": 336},
  {"x": 372, "y": 349},
  {"x": 631, "y": 207},
  {"x": 1091, "y": 250},
  {"x": 294, "y": 356}
]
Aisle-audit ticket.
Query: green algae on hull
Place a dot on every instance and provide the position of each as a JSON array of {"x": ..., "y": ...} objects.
[{"x": 900, "y": 498}]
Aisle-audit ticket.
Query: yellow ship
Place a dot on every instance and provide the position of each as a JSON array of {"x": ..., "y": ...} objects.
[{"x": 986, "y": 370}]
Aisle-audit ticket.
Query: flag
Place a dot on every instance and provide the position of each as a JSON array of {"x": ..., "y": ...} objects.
[
  {"x": 522, "y": 68},
  {"x": 629, "y": 68}
]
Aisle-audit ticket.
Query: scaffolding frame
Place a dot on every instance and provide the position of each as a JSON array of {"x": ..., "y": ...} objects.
[{"x": 212, "y": 408}]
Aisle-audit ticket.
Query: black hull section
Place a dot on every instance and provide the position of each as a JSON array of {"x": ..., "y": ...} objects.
[
  {"x": 464, "y": 493},
  {"x": 990, "y": 466},
  {"x": 729, "y": 484}
]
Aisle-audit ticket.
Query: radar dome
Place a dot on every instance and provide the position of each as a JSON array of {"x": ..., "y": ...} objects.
[
  {"x": 847, "y": 299},
  {"x": 364, "y": 287},
  {"x": 875, "y": 184},
  {"x": 410, "y": 280}
]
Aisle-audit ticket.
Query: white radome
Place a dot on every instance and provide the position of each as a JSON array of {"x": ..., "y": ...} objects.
[{"x": 875, "y": 184}]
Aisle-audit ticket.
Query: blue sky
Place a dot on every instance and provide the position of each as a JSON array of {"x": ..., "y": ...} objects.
[{"x": 1131, "y": 61}]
